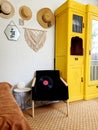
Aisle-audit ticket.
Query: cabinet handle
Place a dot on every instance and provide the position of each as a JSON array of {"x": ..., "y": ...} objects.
[
  {"x": 81, "y": 79},
  {"x": 83, "y": 25},
  {"x": 76, "y": 58},
  {"x": 89, "y": 52}
]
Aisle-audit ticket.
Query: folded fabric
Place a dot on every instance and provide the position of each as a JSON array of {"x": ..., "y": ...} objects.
[{"x": 11, "y": 116}]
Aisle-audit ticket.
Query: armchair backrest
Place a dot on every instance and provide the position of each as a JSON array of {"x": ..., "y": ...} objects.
[
  {"x": 54, "y": 74},
  {"x": 48, "y": 86},
  {"x": 47, "y": 78}
]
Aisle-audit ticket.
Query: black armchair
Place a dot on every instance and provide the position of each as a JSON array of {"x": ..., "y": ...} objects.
[{"x": 49, "y": 86}]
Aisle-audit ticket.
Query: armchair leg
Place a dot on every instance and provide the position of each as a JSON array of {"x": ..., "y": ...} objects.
[
  {"x": 32, "y": 108},
  {"x": 67, "y": 105}
]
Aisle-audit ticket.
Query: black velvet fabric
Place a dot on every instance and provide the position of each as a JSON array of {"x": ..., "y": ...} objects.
[{"x": 49, "y": 87}]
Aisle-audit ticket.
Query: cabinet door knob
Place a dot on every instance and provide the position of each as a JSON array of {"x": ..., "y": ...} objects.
[
  {"x": 96, "y": 86},
  {"x": 81, "y": 79},
  {"x": 83, "y": 25},
  {"x": 89, "y": 52},
  {"x": 76, "y": 58}
]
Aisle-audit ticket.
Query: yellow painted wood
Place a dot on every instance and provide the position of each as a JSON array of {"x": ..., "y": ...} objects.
[
  {"x": 71, "y": 69},
  {"x": 75, "y": 72},
  {"x": 61, "y": 41},
  {"x": 91, "y": 91},
  {"x": 60, "y": 64},
  {"x": 75, "y": 83}
]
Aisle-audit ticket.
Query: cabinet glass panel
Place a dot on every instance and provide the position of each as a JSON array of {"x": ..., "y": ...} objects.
[
  {"x": 77, "y": 23},
  {"x": 94, "y": 52}
]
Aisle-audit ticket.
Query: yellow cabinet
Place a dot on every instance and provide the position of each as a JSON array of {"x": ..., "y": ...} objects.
[
  {"x": 69, "y": 48},
  {"x": 91, "y": 68},
  {"x": 76, "y": 48}
]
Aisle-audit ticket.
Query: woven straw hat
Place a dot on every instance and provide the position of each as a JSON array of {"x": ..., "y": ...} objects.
[
  {"x": 6, "y": 9},
  {"x": 45, "y": 17},
  {"x": 25, "y": 12}
]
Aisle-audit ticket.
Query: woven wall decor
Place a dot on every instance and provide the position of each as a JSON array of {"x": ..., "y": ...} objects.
[{"x": 35, "y": 38}]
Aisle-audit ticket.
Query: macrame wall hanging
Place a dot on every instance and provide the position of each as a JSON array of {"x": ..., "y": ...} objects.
[{"x": 35, "y": 38}]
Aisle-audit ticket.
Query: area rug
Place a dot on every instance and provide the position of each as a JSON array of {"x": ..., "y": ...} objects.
[{"x": 83, "y": 115}]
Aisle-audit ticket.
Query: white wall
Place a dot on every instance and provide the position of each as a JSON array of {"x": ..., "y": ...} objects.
[{"x": 18, "y": 61}]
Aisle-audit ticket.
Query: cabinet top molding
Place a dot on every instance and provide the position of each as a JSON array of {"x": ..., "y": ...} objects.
[{"x": 71, "y": 4}]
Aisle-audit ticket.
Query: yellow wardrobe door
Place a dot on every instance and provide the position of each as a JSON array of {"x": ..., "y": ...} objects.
[{"x": 75, "y": 82}]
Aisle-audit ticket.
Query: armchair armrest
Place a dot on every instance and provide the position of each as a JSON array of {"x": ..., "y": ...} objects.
[
  {"x": 33, "y": 82},
  {"x": 63, "y": 81}
]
